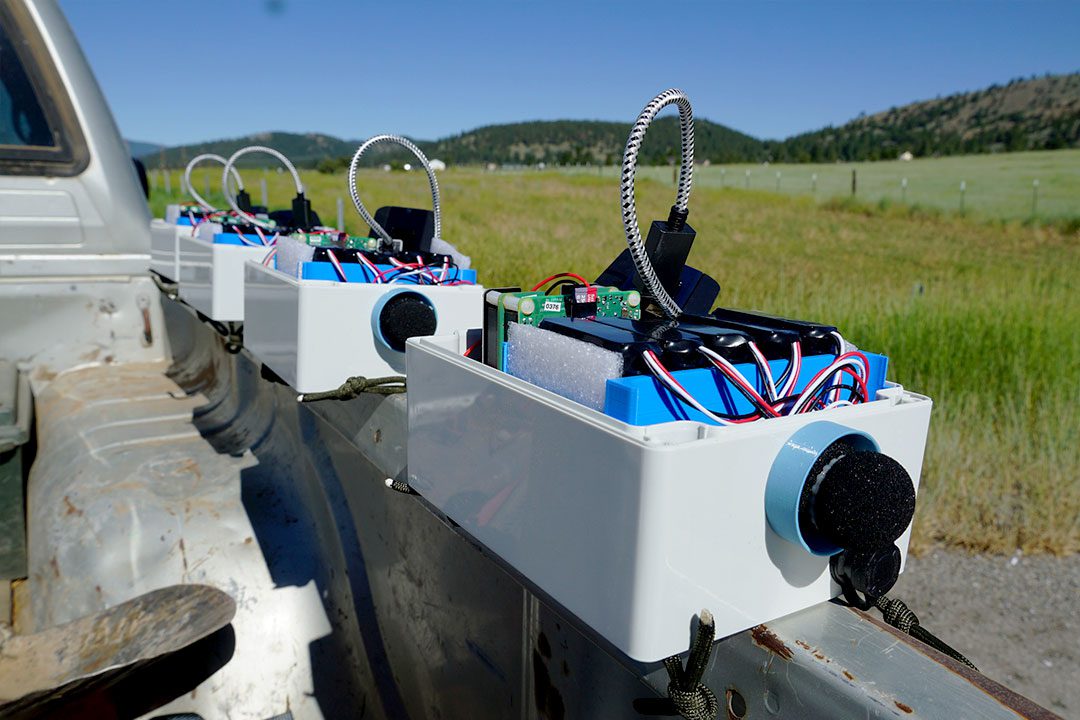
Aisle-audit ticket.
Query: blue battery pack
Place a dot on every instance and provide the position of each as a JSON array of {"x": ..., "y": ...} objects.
[
  {"x": 235, "y": 239},
  {"x": 642, "y": 400},
  {"x": 356, "y": 272}
]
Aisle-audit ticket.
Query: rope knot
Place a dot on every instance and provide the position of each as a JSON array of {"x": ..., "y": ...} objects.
[
  {"x": 692, "y": 699},
  {"x": 355, "y": 385},
  {"x": 699, "y": 703},
  {"x": 897, "y": 613}
]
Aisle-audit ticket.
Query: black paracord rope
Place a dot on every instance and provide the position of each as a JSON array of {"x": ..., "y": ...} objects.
[
  {"x": 391, "y": 385},
  {"x": 899, "y": 615},
  {"x": 691, "y": 698}
]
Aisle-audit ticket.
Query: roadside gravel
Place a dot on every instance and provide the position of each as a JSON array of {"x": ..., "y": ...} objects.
[{"x": 1017, "y": 618}]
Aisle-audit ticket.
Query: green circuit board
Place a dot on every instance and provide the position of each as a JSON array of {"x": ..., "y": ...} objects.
[
  {"x": 335, "y": 240},
  {"x": 531, "y": 308}
]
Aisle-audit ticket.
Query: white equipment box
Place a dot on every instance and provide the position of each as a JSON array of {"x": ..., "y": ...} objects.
[
  {"x": 165, "y": 254},
  {"x": 633, "y": 529},
  {"x": 212, "y": 274},
  {"x": 316, "y": 334}
]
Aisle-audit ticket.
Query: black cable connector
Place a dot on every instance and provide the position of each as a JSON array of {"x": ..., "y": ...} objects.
[
  {"x": 243, "y": 201},
  {"x": 301, "y": 210},
  {"x": 668, "y": 245},
  {"x": 676, "y": 219}
]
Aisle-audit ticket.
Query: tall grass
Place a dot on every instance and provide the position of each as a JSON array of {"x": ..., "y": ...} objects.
[{"x": 984, "y": 318}]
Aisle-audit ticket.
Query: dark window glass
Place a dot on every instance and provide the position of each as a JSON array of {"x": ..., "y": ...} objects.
[{"x": 22, "y": 121}]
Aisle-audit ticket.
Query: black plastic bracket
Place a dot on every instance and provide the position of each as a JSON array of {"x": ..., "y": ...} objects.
[
  {"x": 301, "y": 209},
  {"x": 243, "y": 201}
]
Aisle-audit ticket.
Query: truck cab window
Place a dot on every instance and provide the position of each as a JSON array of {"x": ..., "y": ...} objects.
[{"x": 22, "y": 120}]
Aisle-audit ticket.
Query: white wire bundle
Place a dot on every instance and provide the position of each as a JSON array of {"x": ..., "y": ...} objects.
[
  {"x": 245, "y": 151},
  {"x": 765, "y": 406},
  {"x": 408, "y": 145},
  {"x": 668, "y": 380},
  {"x": 186, "y": 181},
  {"x": 818, "y": 381}
]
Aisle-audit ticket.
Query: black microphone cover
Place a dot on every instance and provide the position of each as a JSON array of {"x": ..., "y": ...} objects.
[
  {"x": 406, "y": 315},
  {"x": 858, "y": 498}
]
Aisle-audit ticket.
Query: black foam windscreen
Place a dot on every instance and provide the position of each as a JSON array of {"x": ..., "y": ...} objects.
[
  {"x": 406, "y": 315},
  {"x": 865, "y": 500}
]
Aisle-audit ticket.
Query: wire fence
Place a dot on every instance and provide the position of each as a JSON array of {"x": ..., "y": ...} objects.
[{"x": 1016, "y": 186}]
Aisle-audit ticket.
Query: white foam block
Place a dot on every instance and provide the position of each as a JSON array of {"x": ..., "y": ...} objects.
[
  {"x": 574, "y": 369},
  {"x": 291, "y": 254}
]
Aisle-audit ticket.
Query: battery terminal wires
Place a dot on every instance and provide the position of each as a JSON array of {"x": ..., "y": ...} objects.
[{"x": 824, "y": 390}]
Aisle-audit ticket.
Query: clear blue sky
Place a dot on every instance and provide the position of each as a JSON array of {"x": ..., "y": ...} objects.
[{"x": 177, "y": 72}]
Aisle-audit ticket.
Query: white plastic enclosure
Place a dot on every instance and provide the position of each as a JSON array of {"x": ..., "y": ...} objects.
[
  {"x": 165, "y": 257},
  {"x": 633, "y": 529},
  {"x": 212, "y": 274},
  {"x": 316, "y": 334}
]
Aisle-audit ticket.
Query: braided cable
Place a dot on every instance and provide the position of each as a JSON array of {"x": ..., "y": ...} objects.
[
  {"x": 191, "y": 188},
  {"x": 408, "y": 145},
  {"x": 899, "y": 615},
  {"x": 682, "y": 196},
  {"x": 246, "y": 151}
]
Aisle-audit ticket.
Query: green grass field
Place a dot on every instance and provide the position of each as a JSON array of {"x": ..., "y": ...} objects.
[
  {"x": 997, "y": 186},
  {"x": 981, "y": 316}
]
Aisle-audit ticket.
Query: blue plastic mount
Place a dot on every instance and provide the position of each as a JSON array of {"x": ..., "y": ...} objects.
[
  {"x": 790, "y": 473},
  {"x": 642, "y": 400},
  {"x": 234, "y": 239},
  {"x": 355, "y": 272}
]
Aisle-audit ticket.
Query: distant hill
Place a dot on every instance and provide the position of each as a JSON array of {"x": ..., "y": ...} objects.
[
  {"x": 305, "y": 150},
  {"x": 139, "y": 149},
  {"x": 555, "y": 142},
  {"x": 572, "y": 142},
  {"x": 1034, "y": 114}
]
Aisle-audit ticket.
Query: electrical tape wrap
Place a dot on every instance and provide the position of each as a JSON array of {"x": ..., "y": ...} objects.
[
  {"x": 682, "y": 198},
  {"x": 408, "y": 145},
  {"x": 246, "y": 151},
  {"x": 191, "y": 188}
]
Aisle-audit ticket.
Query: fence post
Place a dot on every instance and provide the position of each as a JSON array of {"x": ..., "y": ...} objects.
[
  {"x": 722, "y": 178},
  {"x": 747, "y": 179},
  {"x": 963, "y": 190},
  {"x": 265, "y": 196},
  {"x": 341, "y": 214},
  {"x": 1034, "y": 197},
  {"x": 813, "y": 184},
  {"x": 168, "y": 181},
  {"x": 777, "y": 181},
  {"x": 853, "y": 182},
  {"x": 206, "y": 183},
  {"x": 903, "y": 190}
]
